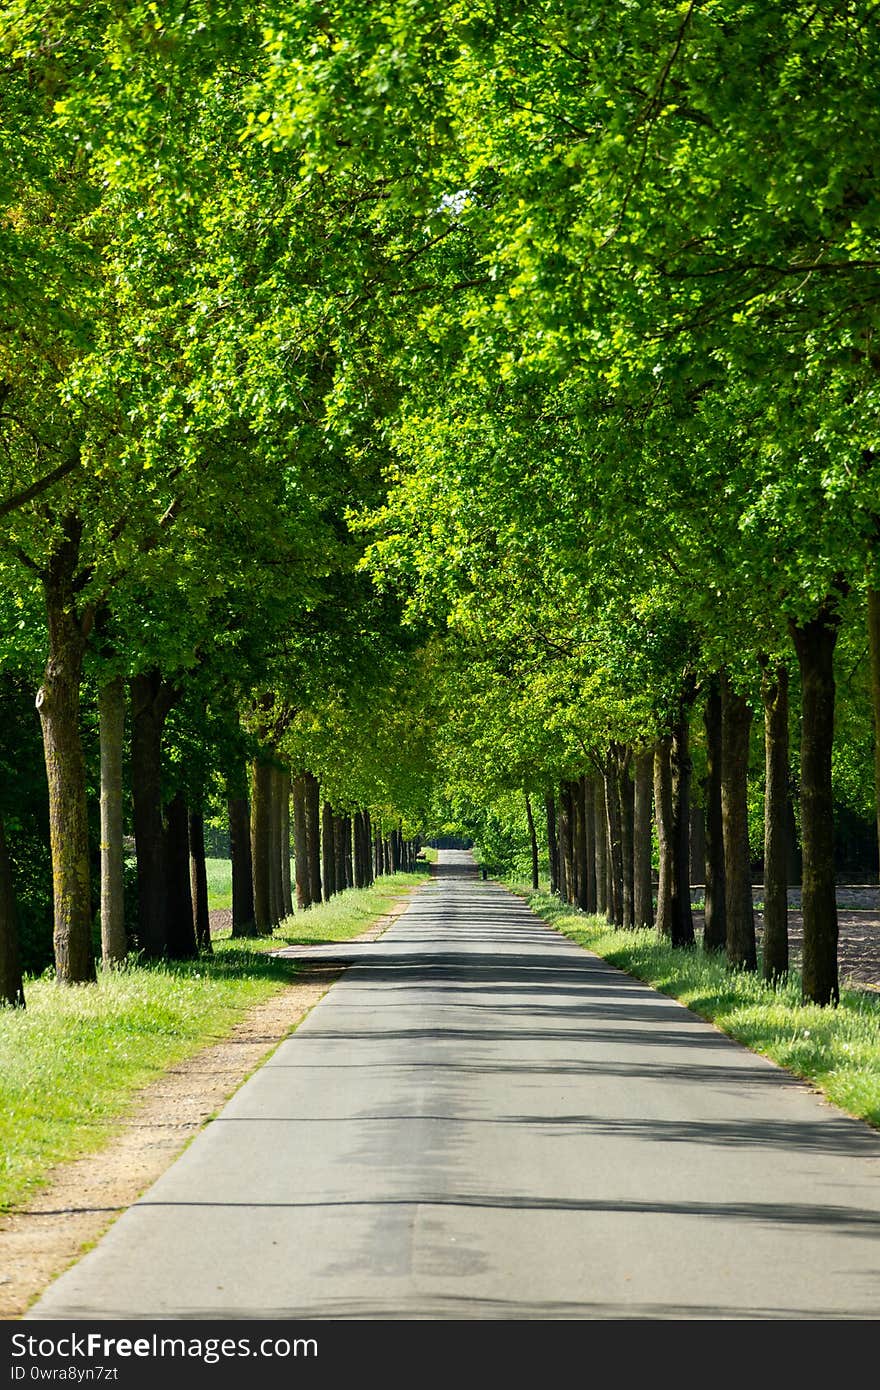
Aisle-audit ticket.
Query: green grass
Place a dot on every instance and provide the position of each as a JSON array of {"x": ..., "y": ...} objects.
[
  {"x": 219, "y": 884},
  {"x": 345, "y": 916},
  {"x": 836, "y": 1050},
  {"x": 72, "y": 1062}
]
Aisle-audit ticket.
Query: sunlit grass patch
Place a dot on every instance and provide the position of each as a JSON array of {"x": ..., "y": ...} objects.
[
  {"x": 342, "y": 917},
  {"x": 71, "y": 1062}
]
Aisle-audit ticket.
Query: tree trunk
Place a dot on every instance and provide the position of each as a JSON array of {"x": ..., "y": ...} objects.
[
  {"x": 151, "y": 702},
  {"x": 643, "y": 887},
  {"x": 368, "y": 847},
  {"x": 715, "y": 922},
  {"x": 11, "y": 985},
  {"x": 663, "y": 815},
  {"x": 327, "y": 855},
  {"x": 552, "y": 842},
  {"x": 774, "y": 692},
  {"x": 58, "y": 702},
  {"x": 360, "y": 876},
  {"x": 615, "y": 845},
  {"x": 378, "y": 854},
  {"x": 181, "y": 931},
  {"x": 261, "y": 843},
  {"x": 587, "y": 795},
  {"x": 564, "y": 837},
  {"x": 284, "y": 809},
  {"x": 276, "y": 890},
  {"x": 346, "y": 846},
  {"x": 814, "y": 643},
  {"x": 395, "y": 852},
  {"x": 736, "y": 720},
  {"x": 682, "y": 933},
  {"x": 198, "y": 881},
  {"x": 578, "y": 841},
  {"x": 301, "y": 843},
  {"x": 339, "y": 852},
  {"x": 626, "y": 812},
  {"x": 600, "y": 840},
  {"x": 313, "y": 835},
  {"x": 242, "y": 866},
  {"x": 111, "y": 719},
  {"x": 533, "y": 842}
]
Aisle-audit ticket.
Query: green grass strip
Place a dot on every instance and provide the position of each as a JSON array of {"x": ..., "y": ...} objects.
[
  {"x": 342, "y": 917},
  {"x": 837, "y": 1050},
  {"x": 72, "y": 1061}
]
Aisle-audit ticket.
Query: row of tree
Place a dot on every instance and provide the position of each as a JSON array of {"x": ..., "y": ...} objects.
[{"x": 435, "y": 386}]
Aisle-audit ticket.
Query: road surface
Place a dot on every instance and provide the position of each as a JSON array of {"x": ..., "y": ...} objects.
[{"x": 480, "y": 1120}]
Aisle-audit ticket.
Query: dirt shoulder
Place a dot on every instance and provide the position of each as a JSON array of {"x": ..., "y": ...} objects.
[{"x": 82, "y": 1198}]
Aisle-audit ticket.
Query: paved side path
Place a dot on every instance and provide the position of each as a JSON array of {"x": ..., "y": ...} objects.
[{"x": 482, "y": 1121}]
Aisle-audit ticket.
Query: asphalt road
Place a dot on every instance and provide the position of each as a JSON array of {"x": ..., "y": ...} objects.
[{"x": 480, "y": 1120}]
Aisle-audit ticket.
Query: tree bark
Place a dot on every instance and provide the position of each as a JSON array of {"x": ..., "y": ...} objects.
[
  {"x": 552, "y": 842},
  {"x": 378, "y": 854},
  {"x": 615, "y": 844},
  {"x": 111, "y": 720},
  {"x": 395, "y": 851},
  {"x": 11, "y": 984},
  {"x": 198, "y": 881},
  {"x": 360, "y": 877},
  {"x": 774, "y": 693},
  {"x": 328, "y": 858},
  {"x": 301, "y": 843},
  {"x": 682, "y": 933},
  {"x": 600, "y": 841},
  {"x": 58, "y": 701},
  {"x": 579, "y": 844},
  {"x": 313, "y": 835},
  {"x": 181, "y": 931},
  {"x": 715, "y": 922},
  {"x": 533, "y": 844},
  {"x": 643, "y": 887},
  {"x": 566, "y": 867},
  {"x": 284, "y": 809},
  {"x": 243, "y": 922},
  {"x": 736, "y": 721},
  {"x": 346, "y": 849},
  {"x": 663, "y": 815},
  {"x": 276, "y": 891},
  {"x": 368, "y": 847},
  {"x": 626, "y": 811},
  {"x": 814, "y": 643},
  {"x": 261, "y": 843},
  {"x": 151, "y": 701},
  {"x": 587, "y": 794},
  {"x": 339, "y": 853}
]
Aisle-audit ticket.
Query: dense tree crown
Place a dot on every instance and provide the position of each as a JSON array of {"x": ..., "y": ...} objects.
[{"x": 438, "y": 416}]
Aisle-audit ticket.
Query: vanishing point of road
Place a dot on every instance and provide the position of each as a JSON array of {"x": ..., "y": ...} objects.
[{"x": 481, "y": 1120}]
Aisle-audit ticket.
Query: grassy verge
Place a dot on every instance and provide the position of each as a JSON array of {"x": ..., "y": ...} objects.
[
  {"x": 73, "y": 1060},
  {"x": 836, "y": 1050},
  {"x": 344, "y": 916}
]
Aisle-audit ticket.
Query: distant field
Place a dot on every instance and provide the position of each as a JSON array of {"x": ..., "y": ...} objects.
[{"x": 219, "y": 883}]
